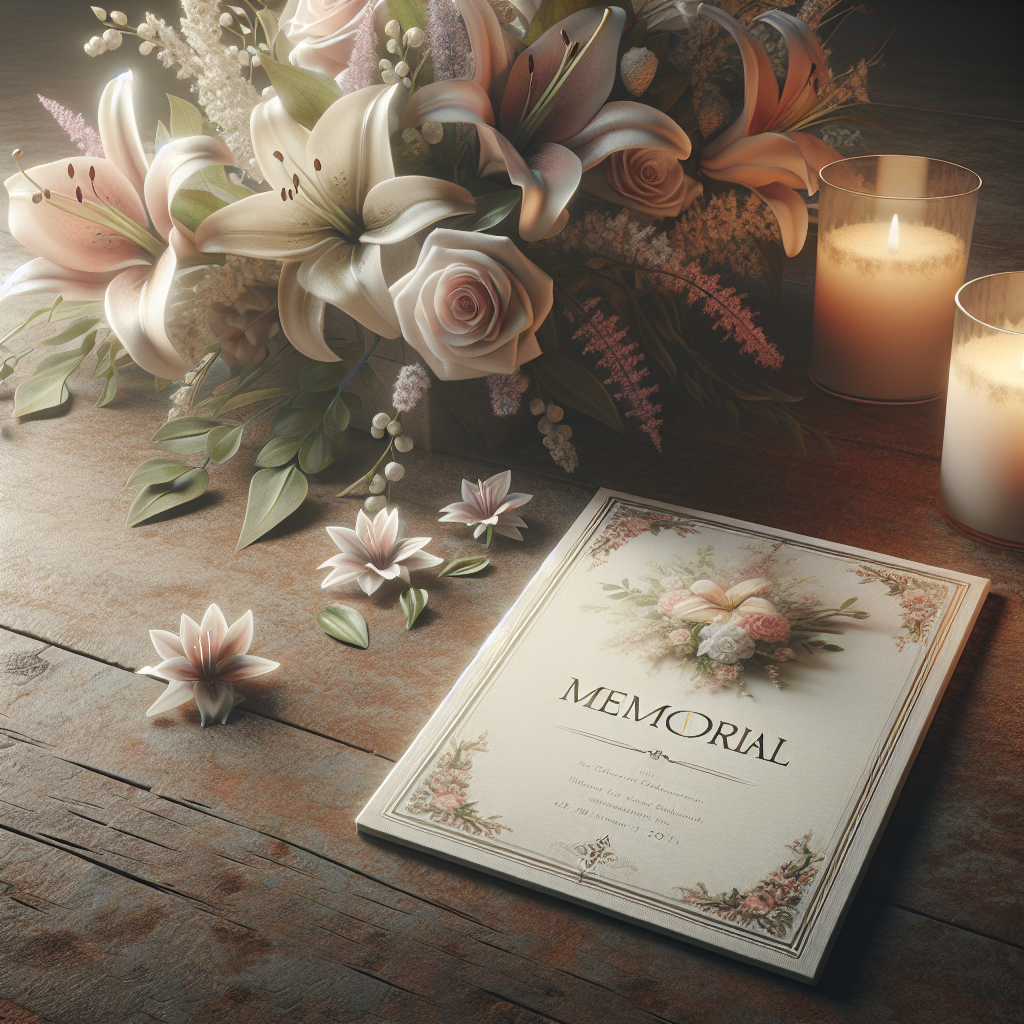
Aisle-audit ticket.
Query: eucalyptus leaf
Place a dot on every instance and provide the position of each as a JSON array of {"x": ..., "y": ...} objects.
[
  {"x": 252, "y": 397},
  {"x": 323, "y": 376},
  {"x": 156, "y": 498},
  {"x": 274, "y": 494},
  {"x": 156, "y": 471},
  {"x": 413, "y": 601},
  {"x": 344, "y": 624},
  {"x": 304, "y": 94},
  {"x": 72, "y": 332},
  {"x": 315, "y": 454},
  {"x": 465, "y": 566},
  {"x": 222, "y": 442},
  {"x": 575, "y": 386},
  {"x": 297, "y": 422},
  {"x": 185, "y": 426},
  {"x": 338, "y": 414},
  {"x": 47, "y": 387},
  {"x": 278, "y": 451}
]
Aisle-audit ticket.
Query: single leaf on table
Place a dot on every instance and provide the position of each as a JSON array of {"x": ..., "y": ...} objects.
[
  {"x": 413, "y": 601},
  {"x": 47, "y": 387},
  {"x": 156, "y": 498},
  {"x": 304, "y": 94},
  {"x": 222, "y": 442},
  {"x": 274, "y": 494},
  {"x": 156, "y": 471},
  {"x": 277, "y": 451},
  {"x": 465, "y": 566},
  {"x": 344, "y": 624},
  {"x": 575, "y": 386}
]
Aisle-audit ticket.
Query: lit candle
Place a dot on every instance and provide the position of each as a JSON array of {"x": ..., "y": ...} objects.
[
  {"x": 982, "y": 481},
  {"x": 888, "y": 268}
]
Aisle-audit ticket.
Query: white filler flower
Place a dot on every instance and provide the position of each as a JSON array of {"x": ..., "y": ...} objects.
[{"x": 204, "y": 662}]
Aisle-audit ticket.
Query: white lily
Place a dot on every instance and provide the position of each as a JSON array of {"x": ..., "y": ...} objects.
[
  {"x": 102, "y": 228},
  {"x": 337, "y": 217},
  {"x": 708, "y": 602}
]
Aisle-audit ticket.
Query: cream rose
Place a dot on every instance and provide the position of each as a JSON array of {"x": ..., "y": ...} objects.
[
  {"x": 324, "y": 32},
  {"x": 649, "y": 180},
  {"x": 472, "y": 304}
]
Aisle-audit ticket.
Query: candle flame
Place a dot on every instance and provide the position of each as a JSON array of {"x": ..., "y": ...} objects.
[{"x": 894, "y": 235}]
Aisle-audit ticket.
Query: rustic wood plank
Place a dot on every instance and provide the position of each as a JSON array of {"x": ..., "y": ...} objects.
[{"x": 101, "y": 872}]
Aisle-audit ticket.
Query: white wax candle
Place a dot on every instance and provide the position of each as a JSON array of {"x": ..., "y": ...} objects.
[
  {"x": 883, "y": 319},
  {"x": 982, "y": 481}
]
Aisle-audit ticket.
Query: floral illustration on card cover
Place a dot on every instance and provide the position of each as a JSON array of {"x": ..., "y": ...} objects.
[
  {"x": 724, "y": 621},
  {"x": 771, "y": 904},
  {"x": 919, "y": 600},
  {"x": 443, "y": 796},
  {"x": 627, "y": 522},
  {"x": 591, "y": 856}
]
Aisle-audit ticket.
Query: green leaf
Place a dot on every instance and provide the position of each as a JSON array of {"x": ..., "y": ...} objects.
[
  {"x": 270, "y": 24},
  {"x": 315, "y": 454},
  {"x": 413, "y": 601},
  {"x": 186, "y": 118},
  {"x": 193, "y": 205},
  {"x": 547, "y": 334},
  {"x": 277, "y": 451},
  {"x": 847, "y": 603},
  {"x": 74, "y": 331},
  {"x": 575, "y": 386},
  {"x": 324, "y": 376},
  {"x": 494, "y": 208},
  {"x": 296, "y": 422},
  {"x": 47, "y": 387},
  {"x": 830, "y": 647},
  {"x": 407, "y": 13},
  {"x": 274, "y": 494},
  {"x": 156, "y": 498},
  {"x": 252, "y": 397},
  {"x": 553, "y": 11},
  {"x": 185, "y": 426},
  {"x": 156, "y": 471},
  {"x": 70, "y": 310},
  {"x": 338, "y": 415},
  {"x": 222, "y": 442},
  {"x": 304, "y": 94},
  {"x": 344, "y": 624},
  {"x": 465, "y": 566}
]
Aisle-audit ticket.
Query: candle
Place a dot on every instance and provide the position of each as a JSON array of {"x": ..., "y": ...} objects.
[
  {"x": 982, "y": 478},
  {"x": 888, "y": 268}
]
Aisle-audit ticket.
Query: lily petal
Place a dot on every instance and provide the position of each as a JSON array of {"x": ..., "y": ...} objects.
[
  {"x": 807, "y": 67},
  {"x": 215, "y": 625},
  {"x": 178, "y": 160},
  {"x": 756, "y": 606},
  {"x": 302, "y": 316},
  {"x": 489, "y": 43},
  {"x": 43, "y": 276},
  {"x": 244, "y": 666},
  {"x": 177, "y": 668},
  {"x": 135, "y": 304},
  {"x": 370, "y": 583},
  {"x": 791, "y": 213},
  {"x": 397, "y": 208},
  {"x": 189, "y": 632},
  {"x": 695, "y": 609},
  {"x": 741, "y": 591},
  {"x": 176, "y": 694},
  {"x": 273, "y": 131},
  {"x": 816, "y": 154},
  {"x": 710, "y": 592},
  {"x": 215, "y": 701},
  {"x": 119, "y": 132},
  {"x": 238, "y": 637},
  {"x": 760, "y": 160},
  {"x": 452, "y": 101},
  {"x": 167, "y": 644},
  {"x": 624, "y": 124}
]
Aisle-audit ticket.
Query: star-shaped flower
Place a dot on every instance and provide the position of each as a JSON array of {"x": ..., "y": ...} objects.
[
  {"x": 488, "y": 505},
  {"x": 375, "y": 551},
  {"x": 205, "y": 661}
]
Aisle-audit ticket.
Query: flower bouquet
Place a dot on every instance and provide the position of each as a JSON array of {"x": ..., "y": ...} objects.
[{"x": 534, "y": 196}]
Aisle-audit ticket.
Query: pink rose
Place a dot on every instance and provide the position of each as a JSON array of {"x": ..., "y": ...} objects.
[
  {"x": 472, "y": 304},
  {"x": 324, "y": 32},
  {"x": 680, "y": 636},
  {"x": 783, "y": 654},
  {"x": 760, "y": 903},
  {"x": 649, "y": 180},
  {"x": 770, "y": 629},
  {"x": 727, "y": 673},
  {"x": 669, "y": 600},
  {"x": 447, "y": 801},
  {"x": 914, "y": 596}
]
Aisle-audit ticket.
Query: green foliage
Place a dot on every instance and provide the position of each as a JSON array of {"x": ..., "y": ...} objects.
[
  {"x": 413, "y": 601},
  {"x": 185, "y": 435},
  {"x": 274, "y": 494},
  {"x": 110, "y": 357},
  {"x": 162, "y": 497},
  {"x": 192, "y": 206},
  {"x": 465, "y": 566},
  {"x": 278, "y": 451},
  {"x": 553, "y": 11},
  {"x": 156, "y": 471},
  {"x": 491, "y": 210},
  {"x": 407, "y": 13},
  {"x": 315, "y": 454},
  {"x": 47, "y": 387},
  {"x": 304, "y": 94},
  {"x": 222, "y": 442},
  {"x": 575, "y": 386},
  {"x": 344, "y": 624}
]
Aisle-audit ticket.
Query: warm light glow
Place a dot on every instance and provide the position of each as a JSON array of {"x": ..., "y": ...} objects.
[{"x": 894, "y": 235}]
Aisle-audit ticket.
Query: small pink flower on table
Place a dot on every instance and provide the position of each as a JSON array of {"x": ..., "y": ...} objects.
[
  {"x": 204, "y": 662},
  {"x": 488, "y": 506},
  {"x": 375, "y": 551}
]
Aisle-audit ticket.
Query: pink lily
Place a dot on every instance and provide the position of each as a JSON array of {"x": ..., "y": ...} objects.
[
  {"x": 544, "y": 119},
  {"x": 760, "y": 149},
  {"x": 101, "y": 228},
  {"x": 708, "y": 602}
]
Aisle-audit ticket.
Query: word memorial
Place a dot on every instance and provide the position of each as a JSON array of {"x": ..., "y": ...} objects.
[{"x": 693, "y": 723}]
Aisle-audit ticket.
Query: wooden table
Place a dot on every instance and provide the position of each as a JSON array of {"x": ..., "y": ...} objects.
[{"x": 153, "y": 871}]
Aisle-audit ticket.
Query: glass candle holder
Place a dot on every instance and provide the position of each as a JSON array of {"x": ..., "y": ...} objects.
[
  {"x": 894, "y": 234},
  {"x": 982, "y": 479}
]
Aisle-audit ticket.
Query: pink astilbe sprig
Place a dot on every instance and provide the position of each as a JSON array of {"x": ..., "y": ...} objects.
[
  {"x": 363, "y": 70},
  {"x": 507, "y": 391},
  {"x": 621, "y": 359},
  {"x": 81, "y": 133},
  {"x": 450, "y": 53}
]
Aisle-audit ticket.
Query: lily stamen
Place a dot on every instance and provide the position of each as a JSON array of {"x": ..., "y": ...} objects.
[{"x": 316, "y": 201}]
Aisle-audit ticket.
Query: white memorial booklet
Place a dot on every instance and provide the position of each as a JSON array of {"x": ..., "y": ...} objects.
[{"x": 694, "y": 723}]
